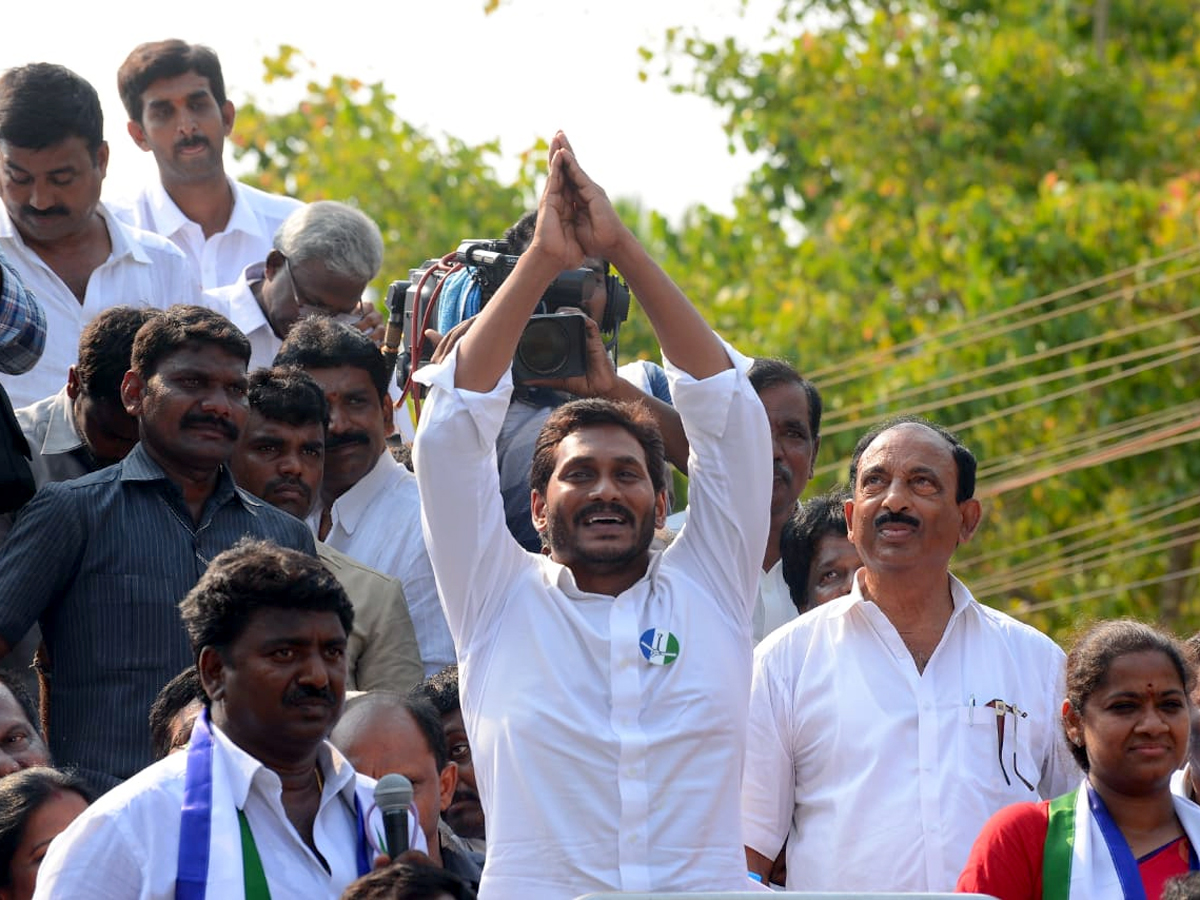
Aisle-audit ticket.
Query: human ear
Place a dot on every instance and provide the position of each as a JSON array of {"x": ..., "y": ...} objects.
[
  {"x": 1072, "y": 723},
  {"x": 133, "y": 389},
  {"x": 212, "y": 673},
  {"x": 537, "y": 511},
  {"x": 447, "y": 782},
  {"x": 971, "y": 511},
  {"x": 138, "y": 134}
]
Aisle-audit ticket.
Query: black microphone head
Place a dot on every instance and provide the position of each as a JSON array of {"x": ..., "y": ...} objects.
[{"x": 393, "y": 793}]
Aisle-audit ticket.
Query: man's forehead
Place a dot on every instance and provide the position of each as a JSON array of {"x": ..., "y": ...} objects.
[
  {"x": 258, "y": 425},
  {"x": 785, "y": 401},
  {"x": 62, "y": 155},
  {"x": 11, "y": 711},
  {"x": 201, "y": 355},
  {"x": 341, "y": 379},
  {"x": 274, "y": 623},
  {"x": 176, "y": 87},
  {"x": 600, "y": 442},
  {"x": 910, "y": 440}
]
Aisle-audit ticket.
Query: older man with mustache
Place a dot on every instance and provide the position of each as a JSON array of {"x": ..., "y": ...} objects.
[
  {"x": 887, "y": 725},
  {"x": 103, "y": 560}
]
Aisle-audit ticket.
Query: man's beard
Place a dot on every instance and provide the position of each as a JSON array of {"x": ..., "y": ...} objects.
[{"x": 564, "y": 544}]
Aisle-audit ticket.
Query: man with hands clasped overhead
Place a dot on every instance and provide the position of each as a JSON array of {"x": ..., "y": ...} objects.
[{"x": 626, "y": 667}]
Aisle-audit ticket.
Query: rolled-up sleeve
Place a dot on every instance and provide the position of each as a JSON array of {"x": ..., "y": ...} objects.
[{"x": 454, "y": 455}]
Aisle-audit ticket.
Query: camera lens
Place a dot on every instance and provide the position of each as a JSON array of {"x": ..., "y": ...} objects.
[{"x": 544, "y": 347}]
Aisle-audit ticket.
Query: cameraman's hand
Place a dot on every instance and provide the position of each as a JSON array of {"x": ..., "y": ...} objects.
[
  {"x": 600, "y": 379},
  {"x": 371, "y": 322}
]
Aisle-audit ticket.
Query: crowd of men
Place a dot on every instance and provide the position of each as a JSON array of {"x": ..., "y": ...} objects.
[{"x": 222, "y": 547}]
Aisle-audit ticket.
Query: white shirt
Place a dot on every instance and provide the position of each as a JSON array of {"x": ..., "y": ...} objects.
[
  {"x": 600, "y": 767},
  {"x": 126, "y": 844},
  {"x": 219, "y": 259},
  {"x": 378, "y": 522},
  {"x": 142, "y": 270},
  {"x": 237, "y": 303},
  {"x": 773, "y": 605},
  {"x": 886, "y": 776}
]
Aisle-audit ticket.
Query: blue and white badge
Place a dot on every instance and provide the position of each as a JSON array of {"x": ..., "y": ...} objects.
[{"x": 660, "y": 648}]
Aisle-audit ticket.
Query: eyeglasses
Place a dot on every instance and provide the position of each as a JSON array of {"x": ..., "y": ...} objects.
[
  {"x": 1001, "y": 710},
  {"x": 307, "y": 308}
]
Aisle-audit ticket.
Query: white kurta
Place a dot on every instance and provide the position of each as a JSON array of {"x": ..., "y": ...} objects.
[{"x": 607, "y": 732}]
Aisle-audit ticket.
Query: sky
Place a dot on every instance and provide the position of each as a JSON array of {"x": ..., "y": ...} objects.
[{"x": 525, "y": 70}]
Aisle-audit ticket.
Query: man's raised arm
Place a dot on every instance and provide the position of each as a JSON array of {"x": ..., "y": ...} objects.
[
  {"x": 486, "y": 351},
  {"x": 686, "y": 339}
]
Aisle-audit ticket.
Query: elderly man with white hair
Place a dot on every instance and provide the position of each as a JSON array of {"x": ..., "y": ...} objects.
[{"x": 322, "y": 258}]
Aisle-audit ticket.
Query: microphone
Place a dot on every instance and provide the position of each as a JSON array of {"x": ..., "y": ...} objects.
[{"x": 393, "y": 796}]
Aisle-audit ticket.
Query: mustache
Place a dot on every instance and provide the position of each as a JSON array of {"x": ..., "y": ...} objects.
[
  {"x": 464, "y": 793},
  {"x": 333, "y": 441},
  {"x": 783, "y": 472},
  {"x": 303, "y": 694},
  {"x": 289, "y": 482},
  {"x": 48, "y": 213},
  {"x": 602, "y": 507},
  {"x": 226, "y": 427},
  {"x": 195, "y": 140},
  {"x": 896, "y": 518}
]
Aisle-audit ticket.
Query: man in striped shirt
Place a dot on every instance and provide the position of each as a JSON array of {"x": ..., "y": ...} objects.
[{"x": 102, "y": 561}]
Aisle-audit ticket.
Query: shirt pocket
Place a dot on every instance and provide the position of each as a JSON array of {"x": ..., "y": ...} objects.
[{"x": 995, "y": 739}]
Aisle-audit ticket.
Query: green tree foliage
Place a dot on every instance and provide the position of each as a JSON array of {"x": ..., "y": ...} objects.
[
  {"x": 930, "y": 169},
  {"x": 345, "y": 141}
]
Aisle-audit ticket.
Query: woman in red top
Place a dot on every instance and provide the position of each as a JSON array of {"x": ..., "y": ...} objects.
[{"x": 1122, "y": 833}]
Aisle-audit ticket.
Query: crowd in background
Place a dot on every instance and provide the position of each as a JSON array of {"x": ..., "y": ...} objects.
[{"x": 243, "y": 591}]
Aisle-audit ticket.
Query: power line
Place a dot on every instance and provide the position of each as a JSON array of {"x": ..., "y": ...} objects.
[
  {"x": 1027, "y": 608},
  {"x": 872, "y": 360},
  {"x": 1135, "y": 517},
  {"x": 1016, "y": 362}
]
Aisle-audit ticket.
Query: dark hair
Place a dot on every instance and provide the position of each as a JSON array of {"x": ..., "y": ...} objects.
[
  {"x": 176, "y": 695},
  {"x": 10, "y": 680},
  {"x": 964, "y": 459},
  {"x": 319, "y": 342},
  {"x": 408, "y": 881},
  {"x": 765, "y": 373},
  {"x": 21, "y": 795},
  {"x": 801, "y": 535},
  {"x": 179, "y": 327},
  {"x": 441, "y": 690},
  {"x": 1182, "y": 887},
  {"x": 255, "y": 575},
  {"x": 157, "y": 60},
  {"x": 106, "y": 347},
  {"x": 1091, "y": 658},
  {"x": 42, "y": 104},
  {"x": 589, "y": 413},
  {"x": 519, "y": 236},
  {"x": 289, "y": 395}
]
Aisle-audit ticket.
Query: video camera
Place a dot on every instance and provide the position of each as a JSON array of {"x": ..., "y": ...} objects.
[{"x": 554, "y": 342}]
